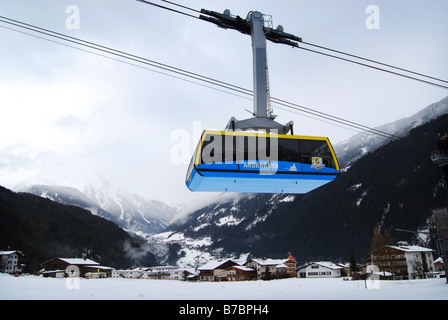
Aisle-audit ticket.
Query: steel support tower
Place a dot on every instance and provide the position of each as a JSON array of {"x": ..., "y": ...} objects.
[{"x": 259, "y": 27}]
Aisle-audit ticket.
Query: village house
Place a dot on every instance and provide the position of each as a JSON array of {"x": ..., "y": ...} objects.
[
  {"x": 322, "y": 269},
  {"x": 183, "y": 274},
  {"x": 273, "y": 268},
  {"x": 290, "y": 264},
  {"x": 169, "y": 272},
  {"x": 11, "y": 261},
  {"x": 346, "y": 268},
  {"x": 215, "y": 270},
  {"x": 403, "y": 262},
  {"x": 61, "y": 267},
  {"x": 134, "y": 273},
  {"x": 438, "y": 265},
  {"x": 439, "y": 269},
  {"x": 240, "y": 273},
  {"x": 158, "y": 272}
]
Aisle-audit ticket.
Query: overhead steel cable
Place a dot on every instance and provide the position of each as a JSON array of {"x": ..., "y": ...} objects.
[
  {"x": 123, "y": 54},
  {"x": 186, "y": 73},
  {"x": 374, "y": 61},
  {"x": 328, "y": 49},
  {"x": 373, "y": 67},
  {"x": 132, "y": 64},
  {"x": 181, "y": 6},
  {"x": 358, "y": 127},
  {"x": 167, "y": 8}
]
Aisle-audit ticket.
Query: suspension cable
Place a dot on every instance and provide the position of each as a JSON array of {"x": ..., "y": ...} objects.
[
  {"x": 195, "y": 76},
  {"x": 328, "y": 49}
]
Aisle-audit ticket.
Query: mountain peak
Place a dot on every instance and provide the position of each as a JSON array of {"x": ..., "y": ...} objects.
[{"x": 132, "y": 212}]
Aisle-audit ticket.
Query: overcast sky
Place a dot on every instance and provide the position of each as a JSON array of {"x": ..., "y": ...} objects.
[{"x": 70, "y": 116}]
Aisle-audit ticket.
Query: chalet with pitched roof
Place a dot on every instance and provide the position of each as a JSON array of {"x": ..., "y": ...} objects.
[
  {"x": 240, "y": 273},
  {"x": 403, "y": 262},
  {"x": 216, "y": 270},
  {"x": 322, "y": 269},
  {"x": 59, "y": 267},
  {"x": 274, "y": 268}
]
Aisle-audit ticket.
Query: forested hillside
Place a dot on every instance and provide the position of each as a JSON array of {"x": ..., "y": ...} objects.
[{"x": 43, "y": 229}]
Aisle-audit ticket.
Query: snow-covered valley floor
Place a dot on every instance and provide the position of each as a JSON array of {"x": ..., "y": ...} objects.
[{"x": 38, "y": 288}]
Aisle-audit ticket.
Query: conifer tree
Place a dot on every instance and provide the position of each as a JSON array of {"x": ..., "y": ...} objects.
[{"x": 353, "y": 265}]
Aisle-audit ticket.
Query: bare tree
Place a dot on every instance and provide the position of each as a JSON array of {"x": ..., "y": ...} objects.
[{"x": 418, "y": 268}]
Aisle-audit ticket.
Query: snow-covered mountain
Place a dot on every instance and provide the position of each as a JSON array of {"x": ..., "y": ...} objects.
[
  {"x": 357, "y": 146},
  {"x": 130, "y": 211}
]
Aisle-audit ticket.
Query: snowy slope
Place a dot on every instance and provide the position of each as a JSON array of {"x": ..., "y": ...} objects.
[
  {"x": 132, "y": 210},
  {"x": 356, "y": 147},
  {"x": 38, "y": 288}
]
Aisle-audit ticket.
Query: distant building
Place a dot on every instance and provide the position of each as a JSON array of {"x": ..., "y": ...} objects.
[
  {"x": 135, "y": 273},
  {"x": 240, "y": 273},
  {"x": 438, "y": 265},
  {"x": 183, "y": 274},
  {"x": 168, "y": 272},
  {"x": 404, "y": 262},
  {"x": 161, "y": 272},
  {"x": 291, "y": 265},
  {"x": 322, "y": 269},
  {"x": 274, "y": 268},
  {"x": 216, "y": 270},
  {"x": 158, "y": 272},
  {"x": 59, "y": 267},
  {"x": 11, "y": 261}
]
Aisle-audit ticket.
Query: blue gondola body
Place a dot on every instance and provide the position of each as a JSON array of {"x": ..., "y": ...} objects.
[{"x": 301, "y": 174}]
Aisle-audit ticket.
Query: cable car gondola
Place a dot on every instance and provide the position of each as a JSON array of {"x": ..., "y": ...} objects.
[
  {"x": 257, "y": 155},
  {"x": 254, "y": 162}
]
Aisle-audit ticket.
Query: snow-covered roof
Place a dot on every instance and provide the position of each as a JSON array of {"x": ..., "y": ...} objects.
[
  {"x": 329, "y": 265},
  {"x": 79, "y": 261},
  {"x": 192, "y": 272},
  {"x": 101, "y": 267},
  {"x": 383, "y": 273},
  {"x": 9, "y": 252},
  {"x": 242, "y": 268},
  {"x": 215, "y": 264},
  {"x": 49, "y": 272},
  {"x": 326, "y": 264},
  {"x": 411, "y": 248},
  {"x": 344, "y": 265},
  {"x": 269, "y": 262},
  {"x": 162, "y": 268}
]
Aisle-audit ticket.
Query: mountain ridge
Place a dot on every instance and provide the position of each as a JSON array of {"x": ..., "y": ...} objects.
[
  {"x": 130, "y": 211},
  {"x": 351, "y": 150}
]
